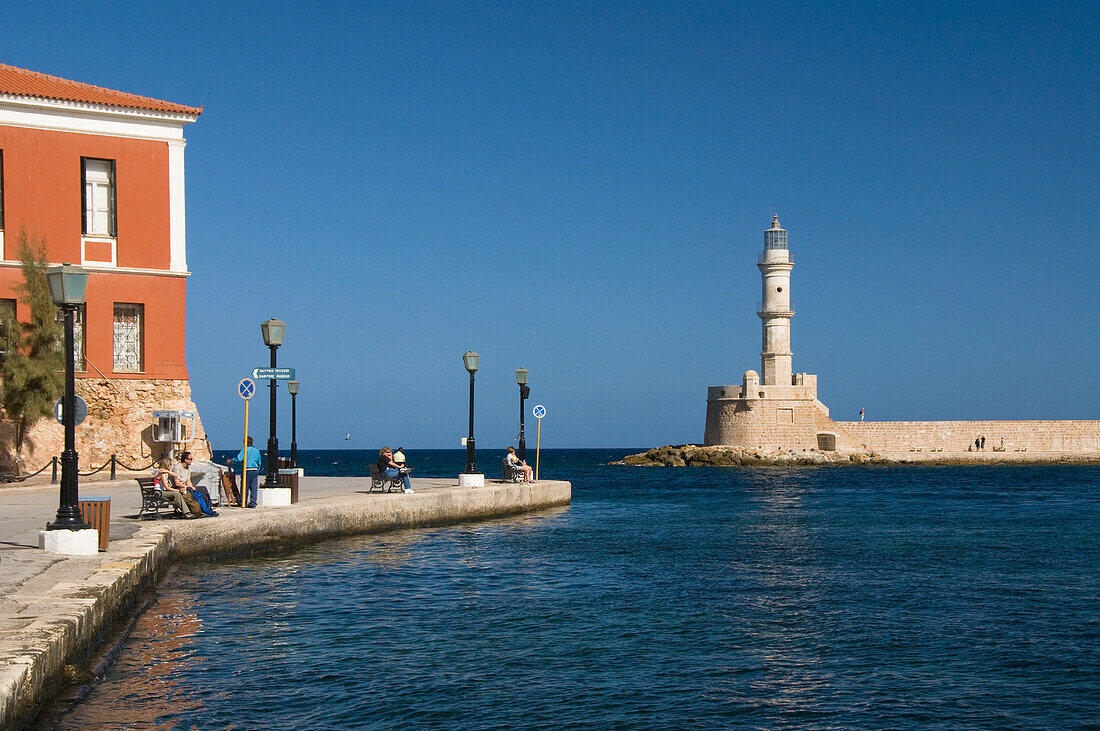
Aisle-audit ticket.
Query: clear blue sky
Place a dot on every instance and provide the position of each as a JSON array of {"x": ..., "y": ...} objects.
[{"x": 581, "y": 189}]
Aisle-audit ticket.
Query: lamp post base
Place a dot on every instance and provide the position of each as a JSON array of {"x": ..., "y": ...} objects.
[
  {"x": 83, "y": 542},
  {"x": 471, "y": 479},
  {"x": 269, "y": 496}
]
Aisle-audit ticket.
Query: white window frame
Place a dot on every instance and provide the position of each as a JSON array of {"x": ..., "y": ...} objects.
[
  {"x": 100, "y": 214},
  {"x": 120, "y": 335}
]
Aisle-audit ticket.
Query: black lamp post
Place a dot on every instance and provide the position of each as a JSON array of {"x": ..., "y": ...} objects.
[
  {"x": 67, "y": 286},
  {"x": 470, "y": 360},
  {"x": 293, "y": 387},
  {"x": 524, "y": 392},
  {"x": 273, "y": 331}
]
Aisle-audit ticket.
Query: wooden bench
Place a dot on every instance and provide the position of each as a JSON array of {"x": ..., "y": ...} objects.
[
  {"x": 511, "y": 474},
  {"x": 152, "y": 500},
  {"x": 383, "y": 483}
]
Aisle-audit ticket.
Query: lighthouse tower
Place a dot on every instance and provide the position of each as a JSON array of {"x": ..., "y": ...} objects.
[{"x": 775, "y": 310}]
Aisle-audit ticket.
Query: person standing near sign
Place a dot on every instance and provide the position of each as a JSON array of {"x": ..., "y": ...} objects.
[{"x": 250, "y": 459}]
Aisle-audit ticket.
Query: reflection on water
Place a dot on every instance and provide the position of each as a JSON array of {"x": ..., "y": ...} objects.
[{"x": 818, "y": 598}]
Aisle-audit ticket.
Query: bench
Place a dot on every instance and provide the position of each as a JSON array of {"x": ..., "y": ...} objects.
[
  {"x": 152, "y": 499},
  {"x": 511, "y": 474},
  {"x": 383, "y": 483}
]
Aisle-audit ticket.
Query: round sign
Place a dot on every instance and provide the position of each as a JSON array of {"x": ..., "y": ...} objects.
[
  {"x": 246, "y": 388},
  {"x": 81, "y": 410},
  {"x": 539, "y": 411}
]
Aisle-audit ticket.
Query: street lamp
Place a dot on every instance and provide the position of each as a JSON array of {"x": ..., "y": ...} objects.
[
  {"x": 68, "y": 284},
  {"x": 470, "y": 360},
  {"x": 524, "y": 392},
  {"x": 273, "y": 331},
  {"x": 293, "y": 387}
]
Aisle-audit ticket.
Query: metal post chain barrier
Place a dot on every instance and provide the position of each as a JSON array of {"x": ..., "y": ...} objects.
[
  {"x": 113, "y": 460},
  {"x": 40, "y": 470},
  {"x": 135, "y": 469},
  {"x": 53, "y": 479}
]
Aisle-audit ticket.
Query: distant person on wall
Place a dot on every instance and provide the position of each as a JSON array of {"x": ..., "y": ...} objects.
[
  {"x": 861, "y": 413},
  {"x": 399, "y": 456},
  {"x": 977, "y": 442},
  {"x": 250, "y": 458},
  {"x": 389, "y": 468},
  {"x": 982, "y": 437},
  {"x": 518, "y": 464}
]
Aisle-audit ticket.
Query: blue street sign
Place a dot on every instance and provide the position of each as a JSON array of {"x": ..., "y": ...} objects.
[
  {"x": 246, "y": 388},
  {"x": 539, "y": 411},
  {"x": 81, "y": 410},
  {"x": 278, "y": 374}
]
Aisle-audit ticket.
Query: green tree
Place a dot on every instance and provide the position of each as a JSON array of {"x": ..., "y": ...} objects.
[{"x": 31, "y": 372}]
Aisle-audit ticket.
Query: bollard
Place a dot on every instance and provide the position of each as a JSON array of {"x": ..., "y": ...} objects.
[
  {"x": 113, "y": 460},
  {"x": 53, "y": 479}
]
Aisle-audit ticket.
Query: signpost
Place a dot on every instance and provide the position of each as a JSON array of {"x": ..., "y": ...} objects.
[
  {"x": 278, "y": 374},
  {"x": 80, "y": 409},
  {"x": 538, "y": 412},
  {"x": 247, "y": 389}
]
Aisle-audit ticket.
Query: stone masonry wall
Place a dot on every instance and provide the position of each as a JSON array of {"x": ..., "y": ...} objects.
[
  {"x": 120, "y": 419},
  {"x": 954, "y": 436},
  {"x": 782, "y": 424}
]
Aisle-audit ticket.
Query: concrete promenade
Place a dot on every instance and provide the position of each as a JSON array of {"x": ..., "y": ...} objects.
[{"x": 55, "y": 609}]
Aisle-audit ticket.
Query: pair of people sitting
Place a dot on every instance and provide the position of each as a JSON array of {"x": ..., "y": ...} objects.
[
  {"x": 176, "y": 487},
  {"x": 518, "y": 465},
  {"x": 390, "y": 468}
]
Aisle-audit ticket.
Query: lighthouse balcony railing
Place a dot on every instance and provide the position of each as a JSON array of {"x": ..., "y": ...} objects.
[
  {"x": 762, "y": 258},
  {"x": 773, "y": 308}
]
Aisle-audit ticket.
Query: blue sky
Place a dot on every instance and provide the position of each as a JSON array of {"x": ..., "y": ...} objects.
[{"x": 582, "y": 189}]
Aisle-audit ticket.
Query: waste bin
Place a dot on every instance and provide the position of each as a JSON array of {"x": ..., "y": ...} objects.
[
  {"x": 96, "y": 511},
  {"x": 289, "y": 478}
]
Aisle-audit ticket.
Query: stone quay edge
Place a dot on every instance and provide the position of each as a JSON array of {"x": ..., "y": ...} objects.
[
  {"x": 54, "y": 614},
  {"x": 694, "y": 455}
]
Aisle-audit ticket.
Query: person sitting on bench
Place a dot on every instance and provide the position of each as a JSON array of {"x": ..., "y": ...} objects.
[
  {"x": 389, "y": 468},
  {"x": 518, "y": 464},
  {"x": 163, "y": 479}
]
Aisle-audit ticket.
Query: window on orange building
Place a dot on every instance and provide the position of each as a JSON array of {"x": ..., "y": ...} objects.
[
  {"x": 98, "y": 197},
  {"x": 78, "y": 339},
  {"x": 129, "y": 331}
]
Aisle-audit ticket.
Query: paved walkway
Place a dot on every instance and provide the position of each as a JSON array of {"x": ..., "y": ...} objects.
[
  {"x": 53, "y": 608},
  {"x": 25, "y": 509}
]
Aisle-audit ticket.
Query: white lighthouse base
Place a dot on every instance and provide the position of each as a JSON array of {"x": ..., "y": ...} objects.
[
  {"x": 465, "y": 479},
  {"x": 70, "y": 542}
]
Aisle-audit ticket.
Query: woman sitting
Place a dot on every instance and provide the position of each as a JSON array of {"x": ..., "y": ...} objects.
[
  {"x": 518, "y": 464},
  {"x": 164, "y": 483},
  {"x": 389, "y": 468}
]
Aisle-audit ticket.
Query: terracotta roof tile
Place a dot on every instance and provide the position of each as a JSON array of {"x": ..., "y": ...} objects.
[{"x": 31, "y": 83}]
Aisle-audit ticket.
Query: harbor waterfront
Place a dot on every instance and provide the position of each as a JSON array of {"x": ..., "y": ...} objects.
[
  {"x": 54, "y": 610},
  {"x": 758, "y": 597}
]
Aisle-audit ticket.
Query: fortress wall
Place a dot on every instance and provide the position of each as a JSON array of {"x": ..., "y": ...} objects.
[
  {"x": 905, "y": 436},
  {"x": 767, "y": 424}
]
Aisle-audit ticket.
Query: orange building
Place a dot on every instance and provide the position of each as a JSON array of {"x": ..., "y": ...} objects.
[{"x": 99, "y": 176}]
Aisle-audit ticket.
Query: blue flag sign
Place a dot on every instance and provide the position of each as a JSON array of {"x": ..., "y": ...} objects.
[
  {"x": 81, "y": 410},
  {"x": 539, "y": 411},
  {"x": 246, "y": 388}
]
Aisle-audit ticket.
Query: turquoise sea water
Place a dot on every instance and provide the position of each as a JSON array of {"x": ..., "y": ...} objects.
[{"x": 661, "y": 598}]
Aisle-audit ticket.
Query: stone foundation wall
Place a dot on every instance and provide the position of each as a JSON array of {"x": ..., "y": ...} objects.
[
  {"x": 120, "y": 422},
  {"x": 954, "y": 436},
  {"x": 781, "y": 424},
  {"x": 762, "y": 423}
]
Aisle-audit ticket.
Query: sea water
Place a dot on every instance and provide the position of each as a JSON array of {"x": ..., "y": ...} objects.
[{"x": 860, "y": 597}]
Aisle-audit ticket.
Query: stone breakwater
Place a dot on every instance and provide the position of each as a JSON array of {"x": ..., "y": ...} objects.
[
  {"x": 693, "y": 455},
  {"x": 51, "y": 621}
]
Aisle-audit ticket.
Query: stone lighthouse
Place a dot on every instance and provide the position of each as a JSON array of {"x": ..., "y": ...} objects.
[
  {"x": 776, "y": 407},
  {"x": 775, "y": 307}
]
